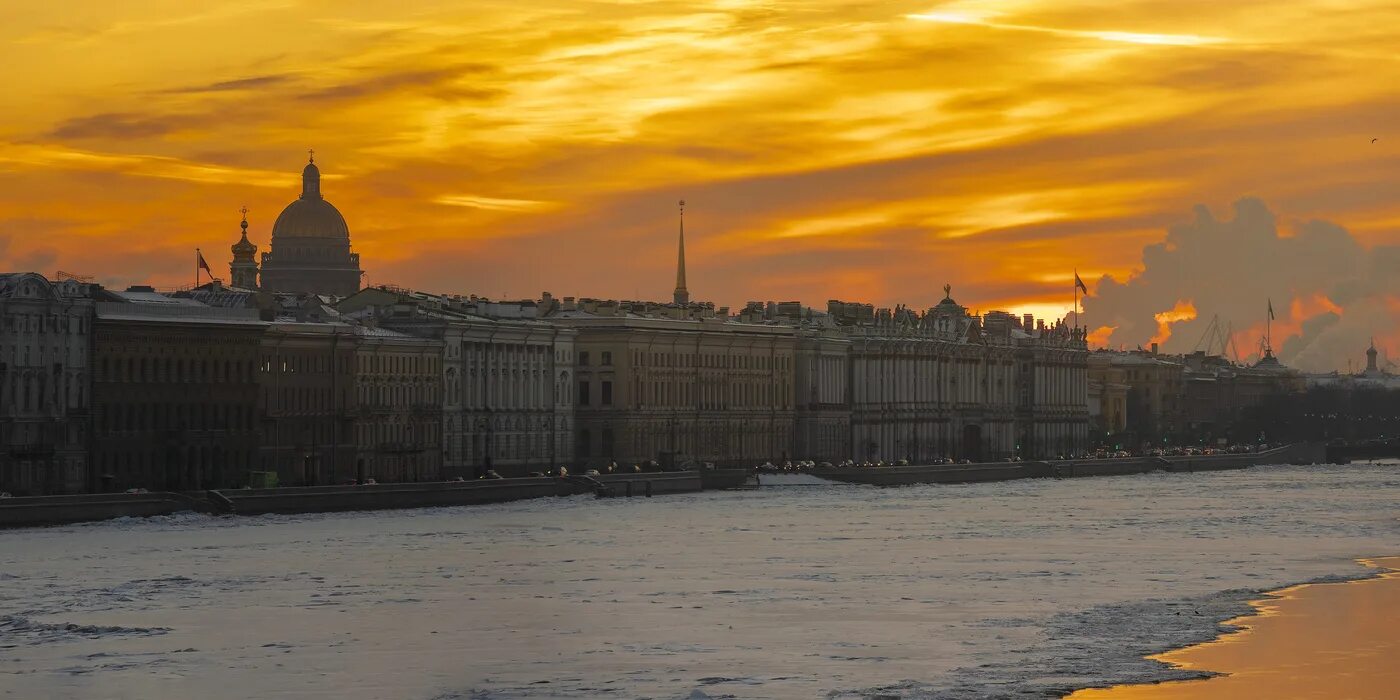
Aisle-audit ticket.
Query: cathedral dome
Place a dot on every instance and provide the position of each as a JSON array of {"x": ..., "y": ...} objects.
[{"x": 310, "y": 216}]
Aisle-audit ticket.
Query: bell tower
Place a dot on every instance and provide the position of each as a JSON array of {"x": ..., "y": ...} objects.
[{"x": 243, "y": 271}]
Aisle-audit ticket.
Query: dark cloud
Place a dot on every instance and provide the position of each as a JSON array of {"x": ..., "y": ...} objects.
[
  {"x": 438, "y": 82},
  {"x": 259, "y": 81},
  {"x": 120, "y": 125}
]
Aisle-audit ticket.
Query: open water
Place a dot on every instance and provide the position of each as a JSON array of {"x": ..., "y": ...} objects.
[{"x": 1026, "y": 588}]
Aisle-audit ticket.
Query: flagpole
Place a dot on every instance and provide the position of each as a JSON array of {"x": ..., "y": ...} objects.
[
  {"x": 1076, "y": 298},
  {"x": 196, "y": 267}
]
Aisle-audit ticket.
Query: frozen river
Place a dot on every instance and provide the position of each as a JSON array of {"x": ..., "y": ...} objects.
[{"x": 799, "y": 592}]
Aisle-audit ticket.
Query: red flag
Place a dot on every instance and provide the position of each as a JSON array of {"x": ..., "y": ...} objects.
[{"x": 202, "y": 264}]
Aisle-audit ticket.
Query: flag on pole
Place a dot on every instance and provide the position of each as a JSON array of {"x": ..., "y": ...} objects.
[
  {"x": 202, "y": 264},
  {"x": 1271, "y": 309},
  {"x": 1080, "y": 283}
]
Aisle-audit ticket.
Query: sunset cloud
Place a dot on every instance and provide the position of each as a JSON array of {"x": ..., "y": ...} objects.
[{"x": 835, "y": 149}]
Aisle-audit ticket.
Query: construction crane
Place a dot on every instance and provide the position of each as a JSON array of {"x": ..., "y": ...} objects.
[{"x": 1219, "y": 339}]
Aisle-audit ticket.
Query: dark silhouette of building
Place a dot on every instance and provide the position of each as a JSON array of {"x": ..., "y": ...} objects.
[
  {"x": 307, "y": 384},
  {"x": 310, "y": 249},
  {"x": 174, "y": 393}
]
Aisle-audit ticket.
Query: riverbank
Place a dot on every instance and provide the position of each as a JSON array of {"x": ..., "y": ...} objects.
[
  {"x": 56, "y": 510},
  {"x": 1317, "y": 640}
]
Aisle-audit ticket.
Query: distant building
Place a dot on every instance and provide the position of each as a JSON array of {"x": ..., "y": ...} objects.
[
  {"x": 1108, "y": 397},
  {"x": 398, "y": 387},
  {"x": 45, "y": 390},
  {"x": 1373, "y": 377},
  {"x": 1154, "y": 398},
  {"x": 307, "y": 386},
  {"x": 677, "y": 384},
  {"x": 1184, "y": 399},
  {"x": 1217, "y": 392},
  {"x": 507, "y": 402},
  {"x": 891, "y": 384},
  {"x": 822, "y": 385},
  {"x": 175, "y": 393},
  {"x": 310, "y": 249}
]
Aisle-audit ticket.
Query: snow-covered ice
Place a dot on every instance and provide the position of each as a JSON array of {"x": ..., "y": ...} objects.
[{"x": 1023, "y": 588}]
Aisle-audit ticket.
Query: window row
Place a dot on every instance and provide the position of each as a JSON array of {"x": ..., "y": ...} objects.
[
  {"x": 45, "y": 323},
  {"x": 707, "y": 359},
  {"x": 166, "y": 369},
  {"x": 121, "y": 417}
]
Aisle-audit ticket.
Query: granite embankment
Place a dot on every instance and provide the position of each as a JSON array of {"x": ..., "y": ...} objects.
[
  {"x": 1301, "y": 453},
  {"x": 52, "y": 510}
]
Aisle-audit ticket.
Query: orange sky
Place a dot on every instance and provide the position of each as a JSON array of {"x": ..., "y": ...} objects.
[{"x": 827, "y": 149}]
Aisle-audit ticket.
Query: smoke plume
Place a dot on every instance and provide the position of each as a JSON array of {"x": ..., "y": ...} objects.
[{"x": 1329, "y": 293}]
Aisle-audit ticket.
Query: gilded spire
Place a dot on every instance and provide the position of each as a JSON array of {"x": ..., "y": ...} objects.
[
  {"x": 682, "y": 295},
  {"x": 244, "y": 248}
]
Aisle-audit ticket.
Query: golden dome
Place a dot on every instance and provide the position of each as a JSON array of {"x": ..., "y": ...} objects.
[{"x": 310, "y": 216}]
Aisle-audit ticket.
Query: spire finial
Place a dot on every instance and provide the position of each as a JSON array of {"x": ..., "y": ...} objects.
[
  {"x": 311, "y": 155},
  {"x": 947, "y": 291},
  {"x": 244, "y": 212}
]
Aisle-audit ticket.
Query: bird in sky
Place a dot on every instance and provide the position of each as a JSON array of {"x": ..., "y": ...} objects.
[{"x": 1374, "y": 140}]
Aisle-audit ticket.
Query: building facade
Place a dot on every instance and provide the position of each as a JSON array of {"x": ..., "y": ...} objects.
[
  {"x": 175, "y": 393},
  {"x": 506, "y": 376},
  {"x": 884, "y": 385},
  {"x": 307, "y": 402},
  {"x": 822, "y": 388},
  {"x": 1108, "y": 398},
  {"x": 310, "y": 249},
  {"x": 398, "y": 387},
  {"x": 45, "y": 391},
  {"x": 678, "y": 384}
]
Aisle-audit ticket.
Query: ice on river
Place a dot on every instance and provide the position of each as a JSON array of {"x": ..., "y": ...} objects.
[{"x": 981, "y": 590}]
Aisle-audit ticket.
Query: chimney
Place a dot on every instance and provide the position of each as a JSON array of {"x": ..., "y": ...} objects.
[{"x": 1154, "y": 348}]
